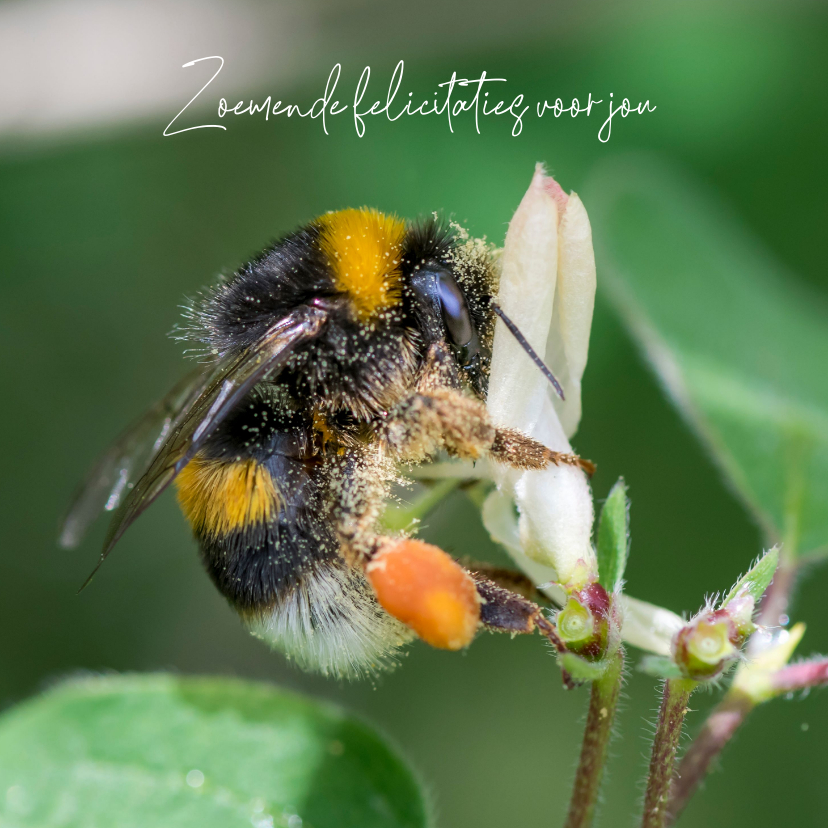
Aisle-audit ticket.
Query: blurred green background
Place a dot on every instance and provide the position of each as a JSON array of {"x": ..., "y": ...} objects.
[{"x": 104, "y": 228}]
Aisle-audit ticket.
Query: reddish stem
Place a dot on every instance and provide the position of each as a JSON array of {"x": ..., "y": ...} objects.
[
  {"x": 800, "y": 676},
  {"x": 777, "y": 597}
]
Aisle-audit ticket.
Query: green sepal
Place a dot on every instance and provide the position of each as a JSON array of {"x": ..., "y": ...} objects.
[
  {"x": 660, "y": 667},
  {"x": 757, "y": 579},
  {"x": 580, "y": 669},
  {"x": 613, "y": 537}
]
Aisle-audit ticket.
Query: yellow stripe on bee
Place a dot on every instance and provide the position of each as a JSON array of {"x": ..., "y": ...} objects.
[
  {"x": 218, "y": 497},
  {"x": 363, "y": 248}
]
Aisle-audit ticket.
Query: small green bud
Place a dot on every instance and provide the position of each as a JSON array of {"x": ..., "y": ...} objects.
[
  {"x": 576, "y": 626},
  {"x": 708, "y": 645},
  {"x": 583, "y": 624}
]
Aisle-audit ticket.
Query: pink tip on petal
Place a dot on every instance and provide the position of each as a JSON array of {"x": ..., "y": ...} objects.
[{"x": 551, "y": 188}]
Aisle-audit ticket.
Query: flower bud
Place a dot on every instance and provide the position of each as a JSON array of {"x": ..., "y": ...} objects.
[
  {"x": 583, "y": 623},
  {"x": 710, "y": 643},
  {"x": 768, "y": 653},
  {"x": 649, "y": 627},
  {"x": 547, "y": 288}
]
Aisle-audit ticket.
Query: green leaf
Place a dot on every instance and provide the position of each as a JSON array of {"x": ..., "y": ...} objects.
[
  {"x": 138, "y": 751},
  {"x": 613, "y": 537},
  {"x": 758, "y": 578},
  {"x": 660, "y": 667},
  {"x": 740, "y": 346}
]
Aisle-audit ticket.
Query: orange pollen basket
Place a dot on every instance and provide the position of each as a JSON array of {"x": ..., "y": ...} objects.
[{"x": 428, "y": 591}]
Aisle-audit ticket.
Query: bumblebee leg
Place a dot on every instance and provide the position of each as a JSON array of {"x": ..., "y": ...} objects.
[
  {"x": 519, "y": 451},
  {"x": 512, "y": 580},
  {"x": 415, "y": 582},
  {"x": 502, "y": 610},
  {"x": 427, "y": 590},
  {"x": 444, "y": 603},
  {"x": 441, "y": 418},
  {"x": 447, "y": 418}
]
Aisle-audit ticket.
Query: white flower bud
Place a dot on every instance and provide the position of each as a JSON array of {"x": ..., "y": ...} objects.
[
  {"x": 547, "y": 288},
  {"x": 648, "y": 626}
]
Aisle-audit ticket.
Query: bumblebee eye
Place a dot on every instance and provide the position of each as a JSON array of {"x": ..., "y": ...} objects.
[{"x": 454, "y": 309}]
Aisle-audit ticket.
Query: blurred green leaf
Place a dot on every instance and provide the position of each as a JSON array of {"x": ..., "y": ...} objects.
[
  {"x": 613, "y": 537},
  {"x": 161, "y": 750},
  {"x": 739, "y": 344},
  {"x": 758, "y": 578}
]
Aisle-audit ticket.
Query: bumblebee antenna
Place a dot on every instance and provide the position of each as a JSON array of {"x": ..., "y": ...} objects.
[{"x": 523, "y": 342}]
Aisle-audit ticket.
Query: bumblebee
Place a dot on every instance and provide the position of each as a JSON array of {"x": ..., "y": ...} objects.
[{"x": 353, "y": 346}]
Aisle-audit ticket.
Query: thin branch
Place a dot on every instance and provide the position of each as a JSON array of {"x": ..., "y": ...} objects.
[
  {"x": 800, "y": 676},
  {"x": 774, "y": 607},
  {"x": 668, "y": 732},
  {"x": 597, "y": 733}
]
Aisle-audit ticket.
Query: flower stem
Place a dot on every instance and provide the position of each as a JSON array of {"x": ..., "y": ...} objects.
[
  {"x": 397, "y": 518},
  {"x": 668, "y": 732},
  {"x": 717, "y": 731},
  {"x": 602, "y": 705}
]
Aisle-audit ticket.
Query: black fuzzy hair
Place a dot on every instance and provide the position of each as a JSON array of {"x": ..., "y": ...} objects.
[{"x": 237, "y": 312}]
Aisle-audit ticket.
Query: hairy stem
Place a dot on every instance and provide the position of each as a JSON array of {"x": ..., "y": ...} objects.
[
  {"x": 719, "y": 727},
  {"x": 668, "y": 732},
  {"x": 602, "y": 705}
]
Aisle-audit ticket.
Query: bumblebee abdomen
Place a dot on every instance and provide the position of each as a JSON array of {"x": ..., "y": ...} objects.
[
  {"x": 259, "y": 524},
  {"x": 277, "y": 560}
]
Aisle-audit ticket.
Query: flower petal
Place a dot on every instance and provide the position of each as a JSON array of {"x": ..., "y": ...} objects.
[
  {"x": 529, "y": 268},
  {"x": 649, "y": 627},
  {"x": 568, "y": 342},
  {"x": 556, "y": 511},
  {"x": 501, "y": 522},
  {"x": 555, "y": 505}
]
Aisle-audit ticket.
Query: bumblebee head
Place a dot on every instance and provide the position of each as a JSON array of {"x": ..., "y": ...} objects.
[
  {"x": 450, "y": 281},
  {"x": 444, "y": 314},
  {"x": 422, "y": 274}
]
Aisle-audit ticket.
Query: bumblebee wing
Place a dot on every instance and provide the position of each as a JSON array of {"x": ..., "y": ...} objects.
[
  {"x": 233, "y": 377},
  {"x": 126, "y": 460}
]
